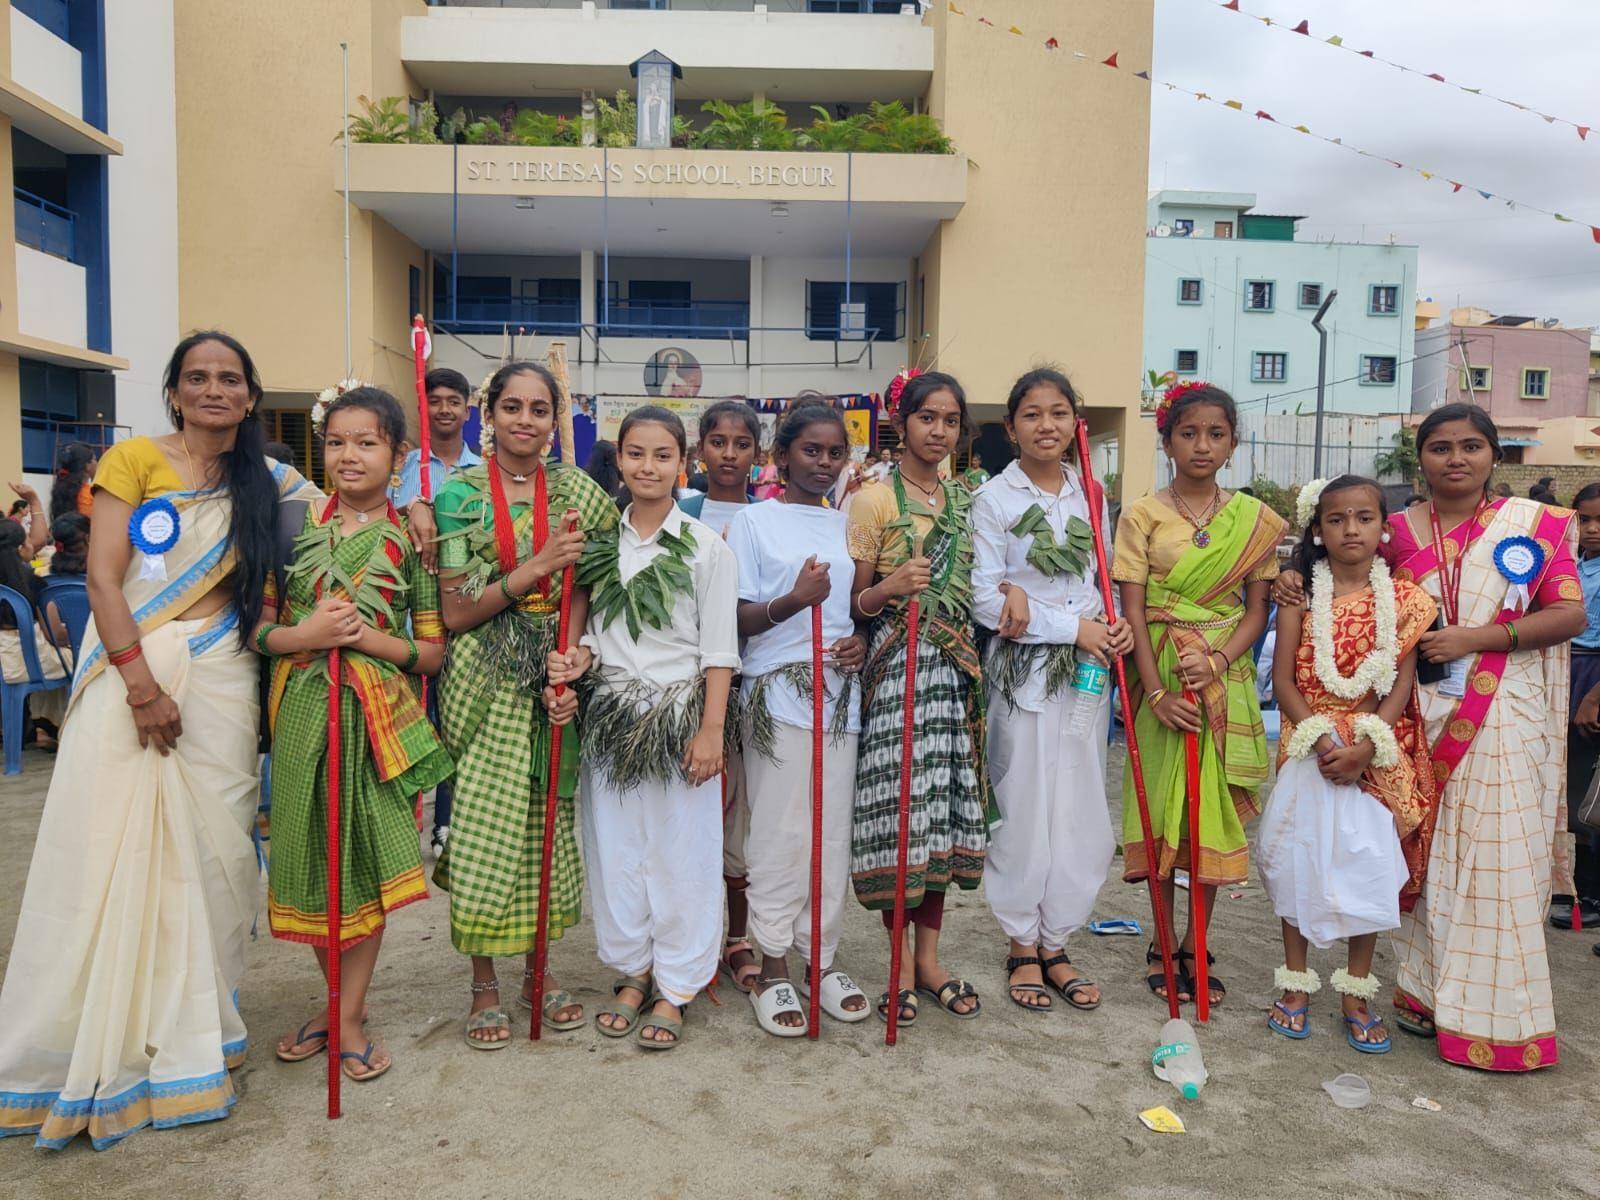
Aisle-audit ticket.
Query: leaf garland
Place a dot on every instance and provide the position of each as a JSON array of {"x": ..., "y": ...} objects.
[
  {"x": 637, "y": 734},
  {"x": 948, "y": 547},
  {"x": 1010, "y": 664},
  {"x": 1048, "y": 556},
  {"x": 763, "y": 725},
  {"x": 316, "y": 558},
  {"x": 648, "y": 597}
]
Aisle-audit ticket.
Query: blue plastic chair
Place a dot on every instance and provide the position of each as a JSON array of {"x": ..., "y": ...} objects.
[
  {"x": 70, "y": 594},
  {"x": 14, "y": 696}
]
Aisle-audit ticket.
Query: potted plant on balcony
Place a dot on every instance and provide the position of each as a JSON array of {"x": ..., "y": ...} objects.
[
  {"x": 535, "y": 128},
  {"x": 828, "y": 133},
  {"x": 894, "y": 129},
  {"x": 384, "y": 121},
  {"x": 754, "y": 125},
  {"x": 615, "y": 123}
]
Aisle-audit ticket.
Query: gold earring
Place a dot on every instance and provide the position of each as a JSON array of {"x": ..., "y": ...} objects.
[{"x": 394, "y": 480}]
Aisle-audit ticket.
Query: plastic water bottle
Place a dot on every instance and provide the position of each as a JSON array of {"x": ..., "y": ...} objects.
[
  {"x": 1177, "y": 1059},
  {"x": 1089, "y": 688}
]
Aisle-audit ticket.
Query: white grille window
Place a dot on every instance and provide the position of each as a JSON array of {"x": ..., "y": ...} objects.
[
  {"x": 1385, "y": 300},
  {"x": 1377, "y": 368},
  {"x": 1269, "y": 366},
  {"x": 1258, "y": 295}
]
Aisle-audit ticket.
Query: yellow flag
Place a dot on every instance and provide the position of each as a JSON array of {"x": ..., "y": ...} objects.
[
  {"x": 1233, "y": 104},
  {"x": 956, "y": 10},
  {"x": 1336, "y": 40}
]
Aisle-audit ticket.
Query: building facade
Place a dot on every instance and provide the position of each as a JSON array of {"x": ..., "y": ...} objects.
[
  {"x": 1531, "y": 375},
  {"x": 665, "y": 270},
  {"x": 1230, "y": 295},
  {"x": 88, "y": 270}
]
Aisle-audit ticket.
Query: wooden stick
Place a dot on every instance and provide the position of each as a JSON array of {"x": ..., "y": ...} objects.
[{"x": 557, "y": 361}]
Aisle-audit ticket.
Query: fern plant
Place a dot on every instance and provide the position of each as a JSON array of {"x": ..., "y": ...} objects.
[
  {"x": 828, "y": 133},
  {"x": 894, "y": 129},
  {"x": 535, "y": 128},
  {"x": 754, "y": 125},
  {"x": 385, "y": 121}
]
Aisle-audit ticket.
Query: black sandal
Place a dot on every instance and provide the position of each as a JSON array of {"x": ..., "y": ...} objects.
[
  {"x": 1034, "y": 989},
  {"x": 1158, "y": 980},
  {"x": 1188, "y": 980},
  {"x": 907, "y": 1002},
  {"x": 950, "y": 993},
  {"x": 1076, "y": 984},
  {"x": 1415, "y": 1023}
]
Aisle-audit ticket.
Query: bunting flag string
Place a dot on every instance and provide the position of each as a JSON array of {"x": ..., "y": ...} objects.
[
  {"x": 1338, "y": 43},
  {"x": 1052, "y": 45}
]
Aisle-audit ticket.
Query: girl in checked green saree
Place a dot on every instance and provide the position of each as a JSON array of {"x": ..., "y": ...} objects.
[
  {"x": 504, "y": 540},
  {"x": 354, "y": 584},
  {"x": 1193, "y": 565}
]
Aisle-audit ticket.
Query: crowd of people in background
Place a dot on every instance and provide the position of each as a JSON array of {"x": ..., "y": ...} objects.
[{"x": 1431, "y": 666}]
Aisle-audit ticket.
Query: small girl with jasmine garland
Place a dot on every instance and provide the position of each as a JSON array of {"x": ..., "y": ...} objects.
[{"x": 1343, "y": 843}]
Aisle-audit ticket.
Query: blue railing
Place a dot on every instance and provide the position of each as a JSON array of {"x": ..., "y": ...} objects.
[
  {"x": 46, "y": 226},
  {"x": 52, "y": 14},
  {"x": 675, "y": 318},
  {"x": 488, "y": 314},
  {"x": 43, "y": 439}
]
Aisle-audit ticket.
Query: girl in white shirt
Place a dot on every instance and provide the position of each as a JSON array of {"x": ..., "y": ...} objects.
[
  {"x": 663, "y": 645},
  {"x": 793, "y": 555},
  {"x": 1035, "y": 585}
]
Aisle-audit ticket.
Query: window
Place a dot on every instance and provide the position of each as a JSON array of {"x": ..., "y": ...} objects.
[
  {"x": 875, "y": 311},
  {"x": 1477, "y": 379},
  {"x": 1188, "y": 291},
  {"x": 1258, "y": 295},
  {"x": 1536, "y": 383},
  {"x": 1188, "y": 362},
  {"x": 1182, "y": 228},
  {"x": 1269, "y": 366},
  {"x": 1377, "y": 369},
  {"x": 1222, "y": 229},
  {"x": 1310, "y": 295},
  {"x": 1383, "y": 300},
  {"x": 823, "y": 6}
]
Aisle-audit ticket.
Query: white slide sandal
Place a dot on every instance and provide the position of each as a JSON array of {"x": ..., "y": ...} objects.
[
  {"x": 837, "y": 987},
  {"x": 776, "y": 998}
]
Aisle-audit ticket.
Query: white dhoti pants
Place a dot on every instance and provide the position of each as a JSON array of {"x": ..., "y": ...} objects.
[
  {"x": 654, "y": 860},
  {"x": 778, "y": 848},
  {"x": 1049, "y": 858}
]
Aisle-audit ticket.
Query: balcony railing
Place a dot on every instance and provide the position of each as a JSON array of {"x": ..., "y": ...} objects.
[
  {"x": 489, "y": 314},
  {"x": 44, "y": 437},
  {"x": 46, "y": 226},
  {"x": 621, "y": 318}
]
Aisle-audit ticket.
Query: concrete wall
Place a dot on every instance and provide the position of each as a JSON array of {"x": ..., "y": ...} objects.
[
  {"x": 1506, "y": 350},
  {"x": 52, "y": 299},
  {"x": 47, "y": 65},
  {"x": 1227, "y": 335},
  {"x": 1046, "y": 260}
]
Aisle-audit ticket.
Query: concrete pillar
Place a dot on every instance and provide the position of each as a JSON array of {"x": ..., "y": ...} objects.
[
  {"x": 588, "y": 345},
  {"x": 753, "y": 387}
]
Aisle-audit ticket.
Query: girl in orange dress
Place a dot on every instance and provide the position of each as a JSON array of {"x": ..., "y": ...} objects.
[{"x": 1343, "y": 844}]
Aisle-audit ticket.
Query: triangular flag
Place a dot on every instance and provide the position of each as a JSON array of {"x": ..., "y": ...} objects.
[
  {"x": 1015, "y": 30},
  {"x": 1202, "y": 95},
  {"x": 1336, "y": 40},
  {"x": 1304, "y": 27},
  {"x": 1263, "y": 115},
  {"x": 1595, "y": 229},
  {"x": 1365, "y": 53},
  {"x": 1559, "y": 217},
  {"x": 1454, "y": 186},
  {"x": 1583, "y": 133},
  {"x": 1426, "y": 174},
  {"x": 1548, "y": 120},
  {"x": 1436, "y": 77},
  {"x": 1265, "y": 20},
  {"x": 1110, "y": 62},
  {"x": 1301, "y": 129},
  {"x": 956, "y": 10},
  {"x": 1474, "y": 91},
  {"x": 1232, "y": 4},
  {"x": 986, "y": 21},
  {"x": 1145, "y": 75},
  {"x": 1336, "y": 141},
  {"x": 1484, "y": 194},
  {"x": 1051, "y": 44},
  {"x": 1399, "y": 166},
  {"x": 1511, "y": 204},
  {"x": 1233, "y": 104}
]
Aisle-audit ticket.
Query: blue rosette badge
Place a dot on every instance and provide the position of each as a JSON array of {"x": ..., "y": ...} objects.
[
  {"x": 1519, "y": 559},
  {"x": 153, "y": 530}
]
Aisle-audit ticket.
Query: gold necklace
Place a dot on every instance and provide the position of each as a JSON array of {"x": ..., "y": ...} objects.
[
  {"x": 1201, "y": 536},
  {"x": 195, "y": 481},
  {"x": 363, "y": 515}
]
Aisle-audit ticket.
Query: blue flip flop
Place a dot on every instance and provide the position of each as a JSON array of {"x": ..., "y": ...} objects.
[
  {"x": 1366, "y": 1027},
  {"x": 1289, "y": 1031},
  {"x": 365, "y": 1059}
]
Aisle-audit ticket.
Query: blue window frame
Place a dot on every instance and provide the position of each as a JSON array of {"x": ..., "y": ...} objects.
[
  {"x": 1186, "y": 362},
  {"x": 1379, "y": 370},
  {"x": 1309, "y": 295},
  {"x": 1269, "y": 366},
  {"x": 876, "y": 311},
  {"x": 1383, "y": 300},
  {"x": 1260, "y": 295},
  {"x": 853, "y": 6}
]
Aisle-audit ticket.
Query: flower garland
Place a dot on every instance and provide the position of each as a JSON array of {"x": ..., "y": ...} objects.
[
  {"x": 319, "y": 410},
  {"x": 1305, "y": 504},
  {"x": 1170, "y": 396},
  {"x": 648, "y": 597},
  {"x": 1303, "y": 741},
  {"x": 1049, "y": 557},
  {"x": 1385, "y": 749},
  {"x": 1376, "y": 672}
]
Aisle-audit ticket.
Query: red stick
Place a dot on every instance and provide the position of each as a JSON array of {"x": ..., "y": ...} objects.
[
  {"x": 334, "y": 897},
  {"x": 419, "y": 355},
  {"x": 898, "y": 932},
  {"x": 1158, "y": 905},
  {"x": 816, "y": 822},
  {"x": 541, "y": 939},
  {"x": 1197, "y": 897}
]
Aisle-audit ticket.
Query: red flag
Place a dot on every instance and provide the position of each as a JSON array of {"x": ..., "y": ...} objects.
[
  {"x": 1263, "y": 115},
  {"x": 1304, "y": 27},
  {"x": 1364, "y": 53},
  {"x": 1112, "y": 61},
  {"x": 1436, "y": 77},
  {"x": 1232, "y": 4},
  {"x": 1595, "y": 229},
  {"x": 985, "y": 21},
  {"x": 1454, "y": 186},
  {"x": 1583, "y": 133},
  {"x": 1051, "y": 44}
]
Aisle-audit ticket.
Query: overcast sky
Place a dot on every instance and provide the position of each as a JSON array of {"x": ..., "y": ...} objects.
[{"x": 1539, "y": 52}]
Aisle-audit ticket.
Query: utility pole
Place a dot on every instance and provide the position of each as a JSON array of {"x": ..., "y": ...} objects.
[{"x": 1322, "y": 379}]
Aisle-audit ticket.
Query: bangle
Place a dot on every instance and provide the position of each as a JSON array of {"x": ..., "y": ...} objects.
[
  {"x": 863, "y": 608},
  {"x": 1157, "y": 696},
  {"x": 411, "y": 652},
  {"x": 512, "y": 598},
  {"x": 772, "y": 620},
  {"x": 425, "y": 501},
  {"x": 110, "y": 650},
  {"x": 261, "y": 639},
  {"x": 1511, "y": 631},
  {"x": 150, "y": 699},
  {"x": 126, "y": 655}
]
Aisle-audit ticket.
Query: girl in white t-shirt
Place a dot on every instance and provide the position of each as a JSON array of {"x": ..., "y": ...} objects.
[{"x": 793, "y": 555}]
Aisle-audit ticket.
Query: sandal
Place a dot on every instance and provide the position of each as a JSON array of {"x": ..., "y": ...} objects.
[
  {"x": 365, "y": 1059},
  {"x": 771, "y": 998},
  {"x": 1072, "y": 986},
  {"x": 489, "y": 1018},
  {"x": 554, "y": 1002},
  {"x": 1366, "y": 1027},
  {"x": 1187, "y": 980},
  {"x": 837, "y": 987},
  {"x": 744, "y": 978},
  {"x": 628, "y": 1012},
  {"x": 1416, "y": 1024},
  {"x": 1158, "y": 980},
  {"x": 907, "y": 1000},
  {"x": 1286, "y": 1027},
  {"x": 951, "y": 992},
  {"x": 671, "y": 1024},
  {"x": 300, "y": 1036},
  {"x": 1015, "y": 963}
]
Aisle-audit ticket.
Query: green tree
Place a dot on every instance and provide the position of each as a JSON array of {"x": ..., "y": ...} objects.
[
  {"x": 829, "y": 133},
  {"x": 1279, "y": 499},
  {"x": 616, "y": 123},
  {"x": 535, "y": 128},
  {"x": 1402, "y": 460},
  {"x": 754, "y": 125},
  {"x": 386, "y": 121},
  {"x": 893, "y": 129}
]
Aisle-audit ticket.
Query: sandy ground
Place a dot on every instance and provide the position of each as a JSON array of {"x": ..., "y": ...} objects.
[{"x": 1011, "y": 1105}]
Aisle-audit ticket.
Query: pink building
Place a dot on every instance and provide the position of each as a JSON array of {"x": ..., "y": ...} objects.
[{"x": 1522, "y": 370}]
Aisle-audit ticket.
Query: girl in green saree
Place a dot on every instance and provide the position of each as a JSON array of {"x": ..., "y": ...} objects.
[{"x": 1194, "y": 565}]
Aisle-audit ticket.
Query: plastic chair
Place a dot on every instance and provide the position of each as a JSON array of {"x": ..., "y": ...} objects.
[
  {"x": 14, "y": 696},
  {"x": 70, "y": 595}
]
